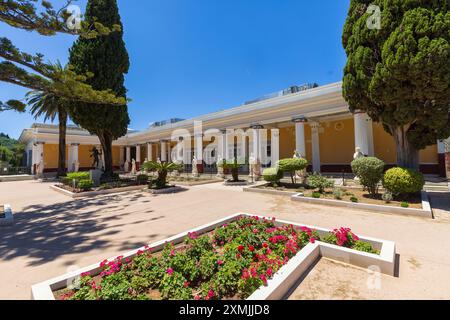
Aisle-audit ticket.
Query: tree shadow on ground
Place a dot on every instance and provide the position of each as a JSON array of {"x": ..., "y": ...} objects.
[{"x": 43, "y": 233}]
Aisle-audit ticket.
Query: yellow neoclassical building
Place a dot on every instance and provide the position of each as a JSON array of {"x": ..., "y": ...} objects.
[{"x": 315, "y": 121}]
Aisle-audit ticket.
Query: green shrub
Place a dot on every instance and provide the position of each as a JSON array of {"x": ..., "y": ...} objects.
[
  {"x": 272, "y": 175},
  {"x": 316, "y": 195},
  {"x": 405, "y": 205},
  {"x": 337, "y": 193},
  {"x": 354, "y": 199},
  {"x": 291, "y": 165},
  {"x": 387, "y": 197},
  {"x": 317, "y": 181},
  {"x": 85, "y": 184},
  {"x": 364, "y": 247},
  {"x": 78, "y": 176},
  {"x": 400, "y": 181},
  {"x": 369, "y": 170}
]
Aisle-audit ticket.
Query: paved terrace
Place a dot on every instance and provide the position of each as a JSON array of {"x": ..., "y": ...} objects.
[{"x": 53, "y": 233}]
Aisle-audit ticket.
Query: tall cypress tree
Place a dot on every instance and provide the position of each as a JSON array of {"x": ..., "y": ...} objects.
[
  {"x": 400, "y": 73},
  {"x": 107, "y": 59}
]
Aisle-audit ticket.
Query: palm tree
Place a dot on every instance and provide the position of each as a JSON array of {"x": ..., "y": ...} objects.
[
  {"x": 162, "y": 168},
  {"x": 50, "y": 106}
]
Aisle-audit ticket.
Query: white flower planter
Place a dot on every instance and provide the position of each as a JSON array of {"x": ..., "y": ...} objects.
[{"x": 281, "y": 283}]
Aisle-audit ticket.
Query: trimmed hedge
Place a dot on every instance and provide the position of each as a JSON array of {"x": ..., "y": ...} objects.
[
  {"x": 272, "y": 175},
  {"x": 290, "y": 165},
  {"x": 370, "y": 171},
  {"x": 400, "y": 181},
  {"x": 85, "y": 184},
  {"x": 317, "y": 181}
]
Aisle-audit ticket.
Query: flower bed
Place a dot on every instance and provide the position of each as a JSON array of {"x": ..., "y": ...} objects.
[{"x": 230, "y": 262}]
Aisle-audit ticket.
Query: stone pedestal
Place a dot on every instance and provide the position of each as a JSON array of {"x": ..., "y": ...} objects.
[{"x": 96, "y": 175}]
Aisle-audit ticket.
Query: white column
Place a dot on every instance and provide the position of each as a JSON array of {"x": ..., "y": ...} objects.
[
  {"x": 229, "y": 140},
  {"x": 315, "y": 146},
  {"x": 163, "y": 151},
  {"x": 300, "y": 144},
  {"x": 73, "y": 157},
  {"x": 275, "y": 146},
  {"x": 256, "y": 143},
  {"x": 138, "y": 154},
  {"x": 363, "y": 133},
  {"x": 199, "y": 147},
  {"x": 38, "y": 158},
  {"x": 128, "y": 154},
  {"x": 169, "y": 152},
  {"x": 149, "y": 151}
]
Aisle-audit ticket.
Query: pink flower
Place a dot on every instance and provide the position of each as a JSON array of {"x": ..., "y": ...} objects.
[
  {"x": 197, "y": 297},
  {"x": 169, "y": 271},
  {"x": 269, "y": 272},
  {"x": 312, "y": 240},
  {"x": 85, "y": 274},
  {"x": 255, "y": 231},
  {"x": 210, "y": 294},
  {"x": 186, "y": 284},
  {"x": 263, "y": 278},
  {"x": 192, "y": 235},
  {"x": 219, "y": 262}
]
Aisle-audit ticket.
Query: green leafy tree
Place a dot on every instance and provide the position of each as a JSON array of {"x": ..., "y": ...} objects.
[
  {"x": 51, "y": 106},
  {"x": 400, "y": 73},
  {"x": 15, "y": 105},
  {"x": 107, "y": 58},
  {"x": 30, "y": 70}
]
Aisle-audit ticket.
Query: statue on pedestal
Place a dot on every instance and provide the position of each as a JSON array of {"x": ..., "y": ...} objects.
[
  {"x": 300, "y": 175},
  {"x": 40, "y": 169},
  {"x": 126, "y": 166},
  {"x": 95, "y": 153},
  {"x": 220, "y": 171},
  {"x": 254, "y": 166},
  {"x": 133, "y": 167},
  {"x": 358, "y": 153},
  {"x": 194, "y": 167}
]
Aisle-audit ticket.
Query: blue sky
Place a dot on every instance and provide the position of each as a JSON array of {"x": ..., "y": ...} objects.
[{"x": 191, "y": 57}]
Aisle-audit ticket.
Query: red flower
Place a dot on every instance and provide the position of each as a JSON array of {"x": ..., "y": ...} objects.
[
  {"x": 210, "y": 294},
  {"x": 264, "y": 279},
  {"x": 265, "y": 245},
  {"x": 312, "y": 240},
  {"x": 251, "y": 248},
  {"x": 186, "y": 284},
  {"x": 269, "y": 272},
  {"x": 241, "y": 248}
]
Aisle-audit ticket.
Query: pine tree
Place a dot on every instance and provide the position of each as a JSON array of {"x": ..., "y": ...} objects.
[
  {"x": 107, "y": 58},
  {"x": 400, "y": 73}
]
